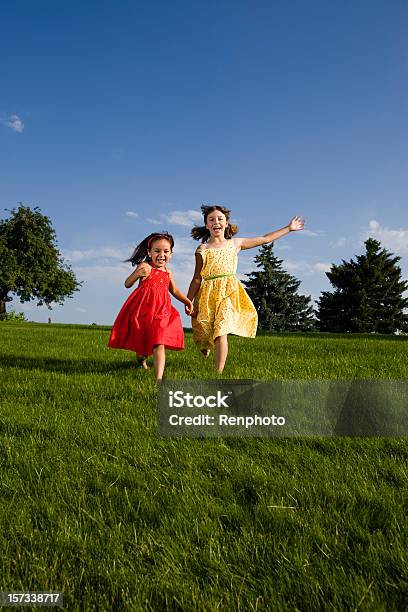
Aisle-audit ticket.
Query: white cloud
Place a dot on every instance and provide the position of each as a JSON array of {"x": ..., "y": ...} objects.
[
  {"x": 14, "y": 123},
  {"x": 295, "y": 266},
  {"x": 130, "y": 213},
  {"x": 340, "y": 242},
  {"x": 395, "y": 240},
  {"x": 154, "y": 221},
  {"x": 104, "y": 254},
  {"x": 307, "y": 232},
  {"x": 301, "y": 266},
  {"x": 185, "y": 246},
  {"x": 322, "y": 267},
  {"x": 106, "y": 274},
  {"x": 186, "y": 218}
]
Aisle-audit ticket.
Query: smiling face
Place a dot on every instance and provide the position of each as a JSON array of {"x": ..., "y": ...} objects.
[
  {"x": 160, "y": 252},
  {"x": 216, "y": 223}
]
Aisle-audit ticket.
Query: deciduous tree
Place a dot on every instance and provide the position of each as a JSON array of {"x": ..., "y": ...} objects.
[{"x": 31, "y": 266}]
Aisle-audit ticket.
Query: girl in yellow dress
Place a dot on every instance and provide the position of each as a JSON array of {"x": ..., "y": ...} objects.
[{"x": 221, "y": 304}]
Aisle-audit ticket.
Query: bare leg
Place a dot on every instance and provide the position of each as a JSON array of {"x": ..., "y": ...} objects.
[
  {"x": 159, "y": 360},
  {"x": 221, "y": 352},
  {"x": 141, "y": 361}
]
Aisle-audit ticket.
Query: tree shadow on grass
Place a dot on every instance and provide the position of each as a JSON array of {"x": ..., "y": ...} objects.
[
  {"x": 65, "y": 366},
  {"x": 333, "y": 335}
]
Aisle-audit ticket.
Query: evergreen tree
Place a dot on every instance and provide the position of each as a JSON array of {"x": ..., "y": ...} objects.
[
  {"x": 367, "y": 296},
  {"x": 274, "y": 294},
  {"x": 31, "y": 266}
]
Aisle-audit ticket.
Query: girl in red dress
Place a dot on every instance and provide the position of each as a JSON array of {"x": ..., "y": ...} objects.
[{"x": 147, "y": 322}]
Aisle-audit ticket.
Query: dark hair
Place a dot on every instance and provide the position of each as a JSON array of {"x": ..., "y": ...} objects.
[
  {"x": 203, "y": 234},
  {"x": 140, "y": 253}
]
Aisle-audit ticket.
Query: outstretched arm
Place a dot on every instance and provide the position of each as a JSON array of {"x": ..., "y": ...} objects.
[
  {"x": 142, "y": 271},
  {"x": 179, "y": 295},
  {"x": 297, "y": 223}
]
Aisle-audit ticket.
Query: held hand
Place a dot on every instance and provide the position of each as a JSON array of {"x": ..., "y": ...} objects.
[
  {"x": 188, "y": 308},
  {"x": 297, "y": 223},
  {"x": 193, "y": 311}
]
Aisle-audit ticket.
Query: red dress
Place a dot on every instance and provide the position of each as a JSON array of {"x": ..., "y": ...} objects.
[{"x": 148, "y": 318}]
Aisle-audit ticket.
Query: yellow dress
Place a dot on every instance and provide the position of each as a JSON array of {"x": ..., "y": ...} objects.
[{"x": 223, "y": 305}]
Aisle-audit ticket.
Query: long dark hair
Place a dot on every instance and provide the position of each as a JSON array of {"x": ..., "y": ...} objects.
[
  {"x": 203, "y": 234},
  {"x": 140, "y": 253}
]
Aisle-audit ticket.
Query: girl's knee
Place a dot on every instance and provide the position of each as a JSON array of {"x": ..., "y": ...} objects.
[{"x": 221, "y": 338}]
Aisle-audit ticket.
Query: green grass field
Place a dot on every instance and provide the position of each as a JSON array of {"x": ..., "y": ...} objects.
[{"x": 95, "y": 505}]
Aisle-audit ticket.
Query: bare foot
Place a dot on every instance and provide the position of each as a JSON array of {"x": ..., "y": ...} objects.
[
  {"x": 141, "y": 362},
  {"x": 205, "y": 352}
]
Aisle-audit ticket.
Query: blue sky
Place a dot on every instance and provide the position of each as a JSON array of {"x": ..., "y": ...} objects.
[{"x": 118, "y": 119}]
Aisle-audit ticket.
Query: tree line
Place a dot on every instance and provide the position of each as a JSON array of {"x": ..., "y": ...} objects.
[{"x": 367, "y": 293}]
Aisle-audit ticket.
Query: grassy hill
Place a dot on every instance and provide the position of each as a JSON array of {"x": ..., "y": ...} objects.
[{"x": 95, "y": 505}]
